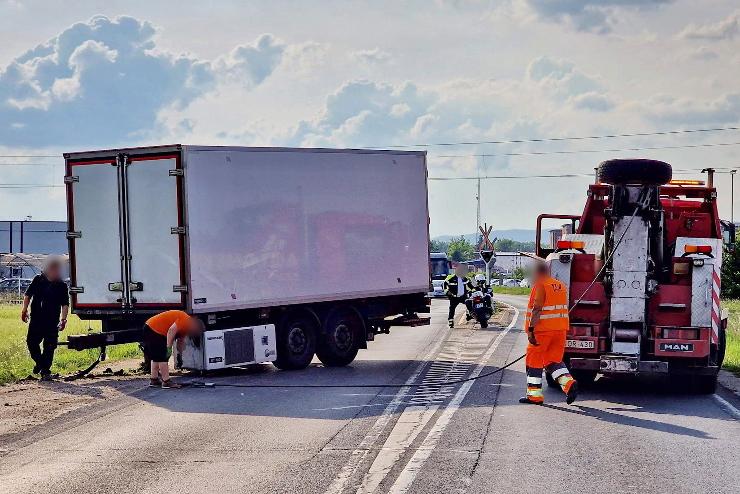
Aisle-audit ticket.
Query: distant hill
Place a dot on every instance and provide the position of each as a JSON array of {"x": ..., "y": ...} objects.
[{"x": 519, "y": 235}]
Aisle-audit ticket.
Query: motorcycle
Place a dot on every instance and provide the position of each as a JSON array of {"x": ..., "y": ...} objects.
[{"x": 480, "y": 307}]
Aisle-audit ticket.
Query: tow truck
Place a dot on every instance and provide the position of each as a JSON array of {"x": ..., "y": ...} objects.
[{"x": 642, "y": 265}]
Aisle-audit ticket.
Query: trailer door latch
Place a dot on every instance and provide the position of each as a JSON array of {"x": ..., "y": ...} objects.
[
  {"x": 71, "y": 179},
  {"x": 177, "y": 172},
  {"x": 136, "y": 286},
  {"x": 177, "y": 230},
  {"x": 116, "y": 286},
  {"x": 180, "y": 288},
  {"x": 72, "y": 234},
  {"x": 77, "y": 289}
]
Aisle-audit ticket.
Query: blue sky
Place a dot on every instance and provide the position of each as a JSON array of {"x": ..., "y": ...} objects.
[{"x": 84, "y": 75}]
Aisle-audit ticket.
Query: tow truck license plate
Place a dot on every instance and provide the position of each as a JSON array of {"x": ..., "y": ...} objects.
[{"x": 589, "y": 344}]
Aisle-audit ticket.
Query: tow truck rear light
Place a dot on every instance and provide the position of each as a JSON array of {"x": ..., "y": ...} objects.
[
  {"x": 680, "y": 334},
  {"x": 571, "y": 244},
  {"x": 686, "y": 182},
  {"x": 581, "y": 331},
  {"x": 697, "y": 249}
]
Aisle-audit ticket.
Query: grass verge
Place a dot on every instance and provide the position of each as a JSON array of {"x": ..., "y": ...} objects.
[
  {"x": 15, "y": 362},
  {"x": 732, "y": 356},
  {"x": 511, "y": 290}
]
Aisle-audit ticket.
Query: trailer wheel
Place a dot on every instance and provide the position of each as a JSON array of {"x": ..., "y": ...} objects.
[
  {"x": 634, "y": 171},
  {"x": 338, "y": 345},
  {"x": 296, "y": 342}
]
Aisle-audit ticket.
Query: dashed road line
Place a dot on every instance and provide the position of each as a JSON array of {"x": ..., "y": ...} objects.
[{"x": 420, "y": 456}]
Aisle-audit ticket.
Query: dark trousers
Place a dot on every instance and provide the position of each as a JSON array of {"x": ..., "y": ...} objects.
[
  {"x": 454, "y": 302},
  {"x": 42, "y": 342}
]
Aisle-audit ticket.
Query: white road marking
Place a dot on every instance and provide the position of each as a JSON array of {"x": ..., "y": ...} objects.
[
  {"x": 727, "y": 407},
  {"x": 413, "y": 467},
  {"x": 358, "y": 455}
]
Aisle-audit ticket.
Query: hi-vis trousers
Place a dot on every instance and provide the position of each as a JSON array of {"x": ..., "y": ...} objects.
[{"x": 547, "y": 355}]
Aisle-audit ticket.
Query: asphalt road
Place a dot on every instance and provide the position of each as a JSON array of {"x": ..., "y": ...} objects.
[{"x": 471, "y": 437}]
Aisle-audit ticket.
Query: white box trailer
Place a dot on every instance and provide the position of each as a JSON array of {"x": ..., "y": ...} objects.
[{"x": 325, "y": 244}]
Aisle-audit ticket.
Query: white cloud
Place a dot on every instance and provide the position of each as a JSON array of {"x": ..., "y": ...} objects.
[
  {"x": 105, "y": 81},
  {"x": 726, "y": 29},
  {"x": 370, "y": 57}
]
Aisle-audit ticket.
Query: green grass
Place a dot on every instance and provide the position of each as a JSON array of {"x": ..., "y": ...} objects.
[
  {"x": 511, "y": 290},
  {"x": 732, "y": 356},
  {"x": 15, "y": 362}
]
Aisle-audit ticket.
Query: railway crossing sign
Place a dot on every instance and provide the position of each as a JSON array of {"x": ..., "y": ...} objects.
[{"x": 486, "y": 249}]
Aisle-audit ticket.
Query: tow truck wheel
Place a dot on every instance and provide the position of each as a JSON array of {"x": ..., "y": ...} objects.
[
  {"x": 704, "y": 385},
  {"x": 338, "y": 345},
  {"x": 584, "y": 378},
  {"x": 296, "y": 342},
  {"x": 634, "y": 171}
]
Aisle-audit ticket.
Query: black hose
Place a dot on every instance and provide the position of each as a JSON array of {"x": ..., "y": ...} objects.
[
  {"x": 202, "y": 384},
  {"x": 84, "y": 372}
]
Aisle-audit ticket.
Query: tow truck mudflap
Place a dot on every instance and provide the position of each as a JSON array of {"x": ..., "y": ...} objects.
[{"x": 619, "y": 364}]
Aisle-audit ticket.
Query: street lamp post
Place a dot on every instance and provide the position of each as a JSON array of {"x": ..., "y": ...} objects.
[{"x": 732, "y": 196}]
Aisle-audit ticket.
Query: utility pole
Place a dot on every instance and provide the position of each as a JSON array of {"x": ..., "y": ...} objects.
[
  {"x": 477, "y": 198},
  {"x": 732, "y": 196}
]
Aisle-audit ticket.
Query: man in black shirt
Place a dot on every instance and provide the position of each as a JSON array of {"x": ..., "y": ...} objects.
[{"x": 48, "y": 298}]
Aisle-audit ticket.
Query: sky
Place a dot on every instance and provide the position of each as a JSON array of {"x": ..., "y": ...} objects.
[{"x": 384, "y": 74}]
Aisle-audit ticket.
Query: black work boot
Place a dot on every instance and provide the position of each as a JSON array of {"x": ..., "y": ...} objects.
[
  {"x": 572, "y": 393},
  {"x": 525, "y": 400}
]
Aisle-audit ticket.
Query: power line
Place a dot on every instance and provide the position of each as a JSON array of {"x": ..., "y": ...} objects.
[
  {"x": 584, "y": 151},
  {"x": 574, "y": 138}
]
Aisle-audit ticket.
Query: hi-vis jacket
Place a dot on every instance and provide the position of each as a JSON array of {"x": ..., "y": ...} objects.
[
  {"x": 450, "y": 285},
  {"x": 554, "y": 313}
]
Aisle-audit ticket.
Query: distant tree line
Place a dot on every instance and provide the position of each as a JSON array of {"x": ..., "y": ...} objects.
[
  {"x": 731, "y": 271},
  {"x": 460, "y": 249}
]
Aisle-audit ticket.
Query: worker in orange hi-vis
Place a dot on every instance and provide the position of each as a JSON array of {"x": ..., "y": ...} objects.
[{"x": 547, "y": 324}]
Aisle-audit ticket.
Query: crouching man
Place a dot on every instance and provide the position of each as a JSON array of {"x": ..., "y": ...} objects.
[{"x": 160, "y": 333}]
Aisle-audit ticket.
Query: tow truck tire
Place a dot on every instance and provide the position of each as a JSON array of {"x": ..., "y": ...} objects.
[
  {"x": 584, "y": 377},
  {"x": 704, "y": 385},
  {"x": 634, "y": 171},
  {"x": 339, "y": 342},
  {"x": 296, "y": 342}
]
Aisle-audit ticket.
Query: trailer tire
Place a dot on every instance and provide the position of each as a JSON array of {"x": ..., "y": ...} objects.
[
  {"x": 634, "y": 171},
  {"x": 339, "y": 341},
  {"x": 296, "y": 342}
]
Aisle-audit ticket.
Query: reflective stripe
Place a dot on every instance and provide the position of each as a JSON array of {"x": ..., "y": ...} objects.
[
  {"x": 555, "y": 307},
  {"x": 535, "y": 392},
  {"x": 565, "y": 379},
  {"x": 534, "y": 380},
  {"x": 554, "y": 316},
  {"x": 559, "y": 372}
]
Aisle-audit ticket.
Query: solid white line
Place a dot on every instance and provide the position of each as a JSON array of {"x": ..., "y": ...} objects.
[
  {"x": 727, "y": 407},
  {"x": 358, "y": 455},
  {"x": 413, "y": 467}
]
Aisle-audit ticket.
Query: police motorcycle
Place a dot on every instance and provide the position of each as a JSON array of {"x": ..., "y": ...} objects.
[{"x": 479, "y": 302}]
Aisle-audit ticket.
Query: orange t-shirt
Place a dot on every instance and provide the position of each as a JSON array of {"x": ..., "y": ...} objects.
[{"x": 162, "y": 322}]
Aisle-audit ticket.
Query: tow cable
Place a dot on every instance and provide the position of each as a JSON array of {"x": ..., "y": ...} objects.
[{"x": 204, "y": 384}]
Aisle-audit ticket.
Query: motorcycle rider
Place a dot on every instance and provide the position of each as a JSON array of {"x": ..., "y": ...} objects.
[{"x": 457, "y": 286}]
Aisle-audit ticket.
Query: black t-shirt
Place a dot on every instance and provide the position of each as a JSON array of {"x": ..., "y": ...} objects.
[{"x": 47, "y": 299}]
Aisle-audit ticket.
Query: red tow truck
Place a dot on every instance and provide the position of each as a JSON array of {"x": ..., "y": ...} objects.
[{"x": 642, "y": 266}]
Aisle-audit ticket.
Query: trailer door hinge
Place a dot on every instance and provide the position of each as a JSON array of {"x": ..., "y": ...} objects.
[
  {"x": 177, "y": 172},
  {"x": 72, "y": 234},
  {"x": 180, "y": 288},
  {"x": 177, "y": 230},
  {"x": 136, "y": 286},
  {"x": 77, "y": 289},
  {"x": 71, "y": 179}
]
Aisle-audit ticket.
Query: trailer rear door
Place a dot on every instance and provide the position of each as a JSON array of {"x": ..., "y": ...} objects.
[{"x": 126, "y": 232}]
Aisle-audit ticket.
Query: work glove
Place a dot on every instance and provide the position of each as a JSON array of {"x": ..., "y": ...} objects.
[
  {"x": 531, "y": 338},
  {"x": 62, "y": 324}
]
